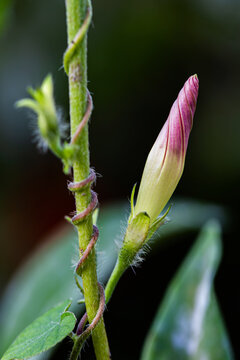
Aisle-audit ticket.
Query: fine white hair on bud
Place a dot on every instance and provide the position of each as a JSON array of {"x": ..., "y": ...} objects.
[
  {"x": 165, "y": 162},
  {"x": 51, "y": 128},
  {"x": 42, "y": 103}
]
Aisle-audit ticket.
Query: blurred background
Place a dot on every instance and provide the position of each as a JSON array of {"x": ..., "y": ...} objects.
[{"x": 140, "y": 54}]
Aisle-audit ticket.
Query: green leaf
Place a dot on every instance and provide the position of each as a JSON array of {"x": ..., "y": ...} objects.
[
  {"x": 46, "y": 278},
  {"x": 39, "y": 285},
  {"x": 188, "y": 324},
  {"x": 45, "y": 332}
]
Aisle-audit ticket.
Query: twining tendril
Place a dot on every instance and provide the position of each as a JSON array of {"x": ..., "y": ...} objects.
[
  {"x": 84, "y": 334},
  {"x": 85, "y": 118},
  {"x": 81, "y": 334},
  {"x": 76, "y": 219},
  {"x": 76, "y": 42},
  {"x": 78, "y": 186}
]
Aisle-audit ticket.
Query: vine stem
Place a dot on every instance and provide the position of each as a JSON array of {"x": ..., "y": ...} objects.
[{"x": 76, "y": 12}]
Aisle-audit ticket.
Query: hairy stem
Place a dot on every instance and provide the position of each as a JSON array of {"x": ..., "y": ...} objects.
[
  {"x": 113, "y": 280},
  {"x": 76, "y": 12}
]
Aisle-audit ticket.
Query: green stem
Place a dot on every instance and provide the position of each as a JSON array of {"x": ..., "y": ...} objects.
[
  {"x": 113, "y": 280},
  {"x": 75, "y": 350},
  {"x": 76, "y": 12}
]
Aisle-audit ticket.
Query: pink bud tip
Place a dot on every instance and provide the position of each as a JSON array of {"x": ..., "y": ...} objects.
[{"x": 180, "y": 118}]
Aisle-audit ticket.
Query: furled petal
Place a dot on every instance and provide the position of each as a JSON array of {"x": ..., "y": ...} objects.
[{"x": 165, "y": 162}]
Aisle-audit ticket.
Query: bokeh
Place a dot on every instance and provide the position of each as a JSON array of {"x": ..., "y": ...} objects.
[{"x": 140, "y": 54}]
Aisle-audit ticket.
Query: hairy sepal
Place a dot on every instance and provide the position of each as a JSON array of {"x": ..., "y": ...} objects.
[
  {"x": 135, "y": 237},
  {"x": 156, "y": 224}
]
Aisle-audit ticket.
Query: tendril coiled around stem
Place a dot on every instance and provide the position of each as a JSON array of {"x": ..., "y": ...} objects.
[
  {"x": 74, "y": 45},
  {"x": 81, "y": 103},
  {"x": 81, "y": 334},
  {"x": 76, "y": 219}
]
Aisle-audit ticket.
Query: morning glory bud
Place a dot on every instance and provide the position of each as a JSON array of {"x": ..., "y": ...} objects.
[{"x": 165, "y": 162}]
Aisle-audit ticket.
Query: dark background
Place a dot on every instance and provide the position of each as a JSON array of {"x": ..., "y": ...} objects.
[{"x": 140, "y": 54}]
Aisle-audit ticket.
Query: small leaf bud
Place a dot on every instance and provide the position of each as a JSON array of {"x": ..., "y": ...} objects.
[{"x": 43, "y": 104}]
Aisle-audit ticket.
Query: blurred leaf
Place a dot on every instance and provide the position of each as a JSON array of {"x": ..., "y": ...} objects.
[
  {"x": 188, "y": 324},
  {"x": 5, "y": 11},
  {"x": 47, "y": 277},
  {"x": 45, "y": 332}
]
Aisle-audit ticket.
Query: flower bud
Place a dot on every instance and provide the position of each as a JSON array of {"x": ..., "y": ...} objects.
[{"x": 165, "y": 162}]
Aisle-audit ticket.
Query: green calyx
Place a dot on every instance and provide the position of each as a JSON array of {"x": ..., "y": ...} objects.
[
  {"x": 42, "y": 103},
  {"x": 139, "y": 231},
  {"x": 159, "y": 221},
  {"x": 154, "y": 223},
  {"x": 135, "y": 237}
]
